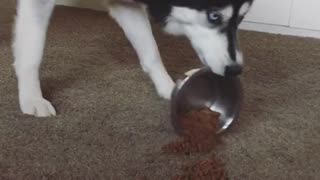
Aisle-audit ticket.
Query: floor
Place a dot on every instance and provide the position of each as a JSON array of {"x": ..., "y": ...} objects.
[{"x": 111, "y": 124}]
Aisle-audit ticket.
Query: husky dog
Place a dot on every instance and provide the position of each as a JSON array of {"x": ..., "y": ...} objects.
[{"x": 210, "y": 25}]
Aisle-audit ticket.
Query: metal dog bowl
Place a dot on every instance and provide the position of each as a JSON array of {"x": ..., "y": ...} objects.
[{"x": 204, "y": 89}]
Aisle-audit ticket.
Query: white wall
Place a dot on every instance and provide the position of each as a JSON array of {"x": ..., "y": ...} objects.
[
  {"x": 270, "y": 12},
  {"x": 306, "y": 14},
  {"x": 291, "y": 17}
]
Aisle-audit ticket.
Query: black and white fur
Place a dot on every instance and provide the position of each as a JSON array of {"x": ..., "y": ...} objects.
[{"x": 210, "y": 25}]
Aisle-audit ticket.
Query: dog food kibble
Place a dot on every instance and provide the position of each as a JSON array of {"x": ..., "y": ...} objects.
[
  {"x": 199, "y": 133},
  {"x": 199, "y": 136}
]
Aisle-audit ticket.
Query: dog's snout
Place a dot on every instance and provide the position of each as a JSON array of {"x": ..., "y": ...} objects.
[{"x": 233, "y": 70}]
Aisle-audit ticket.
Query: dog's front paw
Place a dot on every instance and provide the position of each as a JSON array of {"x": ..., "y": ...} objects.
[
  {"x": 38, "y": 107},
  {"x": 165, "y": 89}
]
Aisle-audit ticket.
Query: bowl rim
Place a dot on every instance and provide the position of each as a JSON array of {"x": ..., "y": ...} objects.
[{"x": 182, "y": 82}]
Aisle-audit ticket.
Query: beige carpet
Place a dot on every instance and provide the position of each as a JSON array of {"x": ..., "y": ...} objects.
[{"x": 112, "y": 124}]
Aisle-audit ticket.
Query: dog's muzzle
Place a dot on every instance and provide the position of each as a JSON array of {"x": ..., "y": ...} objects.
[{"x": 233, "y": 70}]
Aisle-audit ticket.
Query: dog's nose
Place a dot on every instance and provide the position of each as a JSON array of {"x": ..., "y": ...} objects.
[{"x": 233, "y": 70}]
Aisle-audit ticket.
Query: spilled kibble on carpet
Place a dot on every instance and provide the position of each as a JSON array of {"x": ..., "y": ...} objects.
[
  {"x": 199, "y": 135},
  {"x": 210, "y": 169}
]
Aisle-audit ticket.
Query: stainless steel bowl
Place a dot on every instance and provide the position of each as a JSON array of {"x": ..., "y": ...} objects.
[{"x": 204, "y": 89}]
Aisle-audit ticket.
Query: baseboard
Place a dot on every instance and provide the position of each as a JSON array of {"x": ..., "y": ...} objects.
[{"x": 275, "y": 29}]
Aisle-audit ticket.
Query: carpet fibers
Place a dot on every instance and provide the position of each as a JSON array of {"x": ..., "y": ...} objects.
[{"x": 111, "y": 124}]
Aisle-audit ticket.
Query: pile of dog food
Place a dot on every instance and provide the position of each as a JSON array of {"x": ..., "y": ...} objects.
[{"x": 199, "y": 136}]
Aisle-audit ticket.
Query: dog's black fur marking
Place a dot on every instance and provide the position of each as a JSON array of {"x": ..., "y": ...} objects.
[{"x": 160, "y": 9}]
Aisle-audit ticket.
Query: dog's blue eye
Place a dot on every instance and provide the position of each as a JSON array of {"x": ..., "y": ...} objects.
[{"x": 214, "y": 17}]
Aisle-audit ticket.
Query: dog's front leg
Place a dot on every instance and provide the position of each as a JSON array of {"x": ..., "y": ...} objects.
[
  {"x": 30, "y": 31},
  {"x": 135, "y": 23}
]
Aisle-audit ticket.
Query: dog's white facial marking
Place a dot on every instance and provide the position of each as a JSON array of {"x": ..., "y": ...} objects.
[
  {"x": 207, "y": 39},
  {"x": 244, "y": 9},
  {"x": 227, "y": 12},
  {"x": 188, "y": 16},
  {"x": 174, "y": 27},
  {"x": 211, "y": 46},
  {"x": 181, "y": 16},
  {"x": 192, "y": 16}
]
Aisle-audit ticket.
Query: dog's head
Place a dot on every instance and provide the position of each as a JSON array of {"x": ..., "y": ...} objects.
[{"x": 210, "y": 25}]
